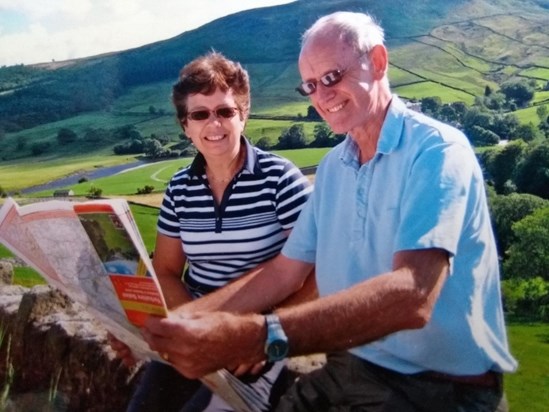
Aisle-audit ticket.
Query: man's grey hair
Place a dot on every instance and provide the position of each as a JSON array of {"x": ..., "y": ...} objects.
[{"x": 358, "y": 30}]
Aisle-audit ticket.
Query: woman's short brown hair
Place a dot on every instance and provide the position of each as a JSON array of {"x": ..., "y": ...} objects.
[{"x": 205, "y": 75}]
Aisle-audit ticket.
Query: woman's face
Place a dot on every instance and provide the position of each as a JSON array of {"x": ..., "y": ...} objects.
[{"x": 218, "y": 135}]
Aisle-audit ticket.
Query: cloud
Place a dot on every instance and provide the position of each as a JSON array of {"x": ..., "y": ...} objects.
[{"x": 40, "y": 31}]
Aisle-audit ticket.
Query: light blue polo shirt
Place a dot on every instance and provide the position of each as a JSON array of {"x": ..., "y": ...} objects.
[{"x": 423, "y": 189}]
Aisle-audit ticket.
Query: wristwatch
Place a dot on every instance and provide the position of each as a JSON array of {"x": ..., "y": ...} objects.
[{"x": 276, "y": 346}]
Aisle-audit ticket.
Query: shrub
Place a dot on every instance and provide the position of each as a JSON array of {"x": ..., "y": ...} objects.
[
  {"x": 145, "y": 190},
  {"x": 95, "y": 192}
]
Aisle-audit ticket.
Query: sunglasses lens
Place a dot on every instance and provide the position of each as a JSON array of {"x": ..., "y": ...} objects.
[
  {"x": 226, "y": 112},
  {"x": 306, "y": 88},
  {"x": 199, "y": 115},
  {"x": 223, "y": 112},
  {"x": 331, "y": 78}
]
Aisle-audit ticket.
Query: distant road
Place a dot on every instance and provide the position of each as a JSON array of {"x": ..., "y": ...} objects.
[
  {"x": 92, "y": 174},
  {"x": 109, "y": 171}
]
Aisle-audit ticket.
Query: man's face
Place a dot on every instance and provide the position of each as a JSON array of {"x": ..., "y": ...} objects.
[{"x": 349, "y": 103}]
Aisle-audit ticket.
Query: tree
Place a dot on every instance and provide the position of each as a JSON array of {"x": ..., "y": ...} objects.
[
  {"x": 95, "y": 192},
  {"x": 519, "y": 91},
  {"x": 528, "y": 256},
  {"x": 293, "y": 138},
  {"x": 526, "y": 297},
  {"x": 476, "y": 117},
  {"x": 128, "y": 132},
  {"x": 153, "y": 149},
  {"x": 99, "y": 135},
  {"x": 448, "y": 114},
  {"x": 431, "y": 105},
  {"x": 541, "y": 111},
  {"x": 502, "y": 163},
  {"x": 526, "y": 132},
  {"x": 495, "y": 101},
  {"x": 312, "y": 114},
  {"x": 323, "y": 136},
  {"x": 504, "y": 126},
  {"x": 533, "y": 173},
  {"x": 509, "y": 209},
  {"x": 479, "y": 136},
  {"x": 265, "y": 143},
  {"x": 66, "y": 136},
  {"x": 145, "y": 190},
  {"x": 134, "y": 146},
  {"x": 460, "y": 109},
  {"x": 39, "y": 148}
]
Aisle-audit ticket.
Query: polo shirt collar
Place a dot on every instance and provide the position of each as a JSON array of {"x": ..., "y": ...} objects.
[
  {"x": 251, "y": 164},
  {"x": 390, "y": 136}
]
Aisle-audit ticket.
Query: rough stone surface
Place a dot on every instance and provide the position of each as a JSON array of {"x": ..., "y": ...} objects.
[
  {"x": 58, "y": 350},
  {"x": 61, "y": 359},
  {"x": 6, "y": 273}
]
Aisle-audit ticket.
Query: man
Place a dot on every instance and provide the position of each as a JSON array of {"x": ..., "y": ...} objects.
[{"x": 399, "y": 232}]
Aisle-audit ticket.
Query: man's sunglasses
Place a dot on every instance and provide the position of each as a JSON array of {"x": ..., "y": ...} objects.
[
  {"x": 329, "y": 79},
  {"x": 221, "y": 113}
]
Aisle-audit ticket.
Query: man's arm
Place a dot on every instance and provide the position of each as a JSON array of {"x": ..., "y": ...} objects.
[
  {"x": 398, "y": 300},
  {"x": 261, "y": 289},
  {"x": 199, "y": 343}
]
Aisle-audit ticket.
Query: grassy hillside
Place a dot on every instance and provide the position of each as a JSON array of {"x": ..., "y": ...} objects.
[{"x": 437, "y": 48}]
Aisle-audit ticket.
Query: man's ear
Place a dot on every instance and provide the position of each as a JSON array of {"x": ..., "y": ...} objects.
[{"x": 379, "y": 60}]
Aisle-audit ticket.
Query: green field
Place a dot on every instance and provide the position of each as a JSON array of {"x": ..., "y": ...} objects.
[
  {"x": 126, "y": 183},
  {"x": 526, "y": 389}
]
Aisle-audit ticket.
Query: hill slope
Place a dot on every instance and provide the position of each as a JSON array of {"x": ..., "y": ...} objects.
[
  {"x": 32, "y": 95},
  {"x": 449, "y": 49}
]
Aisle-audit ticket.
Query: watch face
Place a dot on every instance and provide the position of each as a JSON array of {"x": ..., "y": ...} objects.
[{"x": 278, "y": 349}]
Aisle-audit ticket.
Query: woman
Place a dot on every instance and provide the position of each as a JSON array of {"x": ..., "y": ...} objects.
[{"x": 227, "y": 212}]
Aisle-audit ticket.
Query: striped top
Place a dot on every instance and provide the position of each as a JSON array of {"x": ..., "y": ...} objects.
[{"x": 222, "y": 242}]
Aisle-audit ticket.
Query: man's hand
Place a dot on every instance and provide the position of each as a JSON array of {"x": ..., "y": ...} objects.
[
  {"x": 201, "y": 343},
  {"x": 252, "y": 369},
  {"x": 123, "y": 351}
]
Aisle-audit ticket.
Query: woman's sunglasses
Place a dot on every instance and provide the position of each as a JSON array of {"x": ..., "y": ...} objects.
[{"x": 221, "y": 113}]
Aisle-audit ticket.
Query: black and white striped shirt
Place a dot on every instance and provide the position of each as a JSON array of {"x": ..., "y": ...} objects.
[{"x": 222, "y": 242}]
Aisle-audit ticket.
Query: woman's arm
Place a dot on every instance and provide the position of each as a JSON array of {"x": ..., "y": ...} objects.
[{"x": 169, "y": 262}]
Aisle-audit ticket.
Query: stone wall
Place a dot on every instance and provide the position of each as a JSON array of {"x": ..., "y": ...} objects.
[{"x": 60, "y": 357}]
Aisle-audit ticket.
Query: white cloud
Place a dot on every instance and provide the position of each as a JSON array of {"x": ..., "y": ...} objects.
[{"x": 40, "y": 31}]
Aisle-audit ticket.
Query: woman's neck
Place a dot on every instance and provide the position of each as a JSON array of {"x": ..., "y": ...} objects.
[{"x": 223, "y": 171}]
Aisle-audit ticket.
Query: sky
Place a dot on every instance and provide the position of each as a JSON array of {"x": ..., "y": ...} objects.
[{"x": 38, "y": 31}]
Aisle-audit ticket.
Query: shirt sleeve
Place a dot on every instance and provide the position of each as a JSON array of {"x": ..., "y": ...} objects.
[
  {"x": 436, "y": 199},
  {"x": 168, "y": 223},
  {"x": 293, "y": 190}
]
